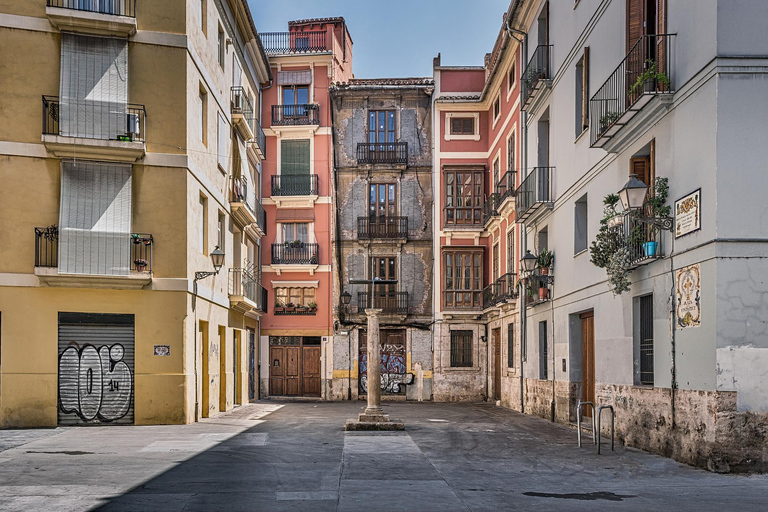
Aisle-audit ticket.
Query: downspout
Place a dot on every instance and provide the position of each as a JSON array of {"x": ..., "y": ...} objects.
[{"x": 673, "y": 369}]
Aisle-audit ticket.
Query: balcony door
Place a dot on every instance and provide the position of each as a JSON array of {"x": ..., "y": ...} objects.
[
  {"x": 381, "y": 135},
  {"x": 384, "y": 268},
  {"x": 295, "y": 100},
  {"x": 382, "y": 207},
  {"x": 645, "y": 18},
  {"x": 295, "y": 178},
  {"x": 295, "y": 232}
]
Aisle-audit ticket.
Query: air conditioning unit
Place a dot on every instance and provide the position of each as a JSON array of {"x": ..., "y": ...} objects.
[
  {"x": 134, "y": 130},
  {"x": 237, "y": 100}
]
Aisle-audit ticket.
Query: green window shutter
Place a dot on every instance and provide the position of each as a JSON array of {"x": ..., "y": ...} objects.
[{"x": 294, "y": 157}]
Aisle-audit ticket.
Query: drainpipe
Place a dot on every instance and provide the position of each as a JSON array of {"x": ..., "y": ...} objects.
[
  {"x": 673, "y": 369},
  {"x": 487, "y": 362}
]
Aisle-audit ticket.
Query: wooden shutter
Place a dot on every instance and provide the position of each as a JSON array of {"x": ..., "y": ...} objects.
[
  {"x": 642, "y": 167},
  {"x": 456, "y": 125},
  {"x": 635, "y": 17}
]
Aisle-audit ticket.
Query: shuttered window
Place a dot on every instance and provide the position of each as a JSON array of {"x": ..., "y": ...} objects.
[
  {"x": 303, "y": 77},
  {"x": 294, "y": 157},
  {"x": 223, "y": 141},
  {"x": 95, "y": 219},
  {"x": 641, "y": 166},
  {"x": 511, "y": 346},
  {"x": 461, "y": 349},
  {"x": 462, "y": 126},
  {"x": 93, "y": 87}
]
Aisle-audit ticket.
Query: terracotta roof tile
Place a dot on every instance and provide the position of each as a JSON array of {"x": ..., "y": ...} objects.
[
  {"x": 362, "y": 82},
  {"x": 309, "y": 21}
]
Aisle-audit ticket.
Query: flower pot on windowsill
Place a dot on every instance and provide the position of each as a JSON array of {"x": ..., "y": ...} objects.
[
  {"x": 279, "y": 309},
  {"x": 543, "y": 293},
  {"x": 649, "y": 249},
  {"x": 650, "y": 85},
  {"x": 545, "y": 271},
  {"x": 290, "y": 310},
  {"x": 141, "y": 265}
]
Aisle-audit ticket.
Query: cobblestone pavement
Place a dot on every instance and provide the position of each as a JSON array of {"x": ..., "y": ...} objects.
[{"x": 295, "y": 456}]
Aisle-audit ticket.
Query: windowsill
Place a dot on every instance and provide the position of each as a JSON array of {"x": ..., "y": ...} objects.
[
  {"x": 580, "y": 252},
  {"x": 221, "y": 169},
  {"x": 463, "y": 227},
  {"x": 475, "y": 137},
  {"x": 579, "y": 136}
]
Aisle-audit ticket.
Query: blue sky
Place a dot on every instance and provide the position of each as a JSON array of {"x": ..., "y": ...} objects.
[{"x": 398, "y": 38}]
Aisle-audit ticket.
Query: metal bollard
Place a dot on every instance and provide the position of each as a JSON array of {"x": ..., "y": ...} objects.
[
  {"x": 578, "y": 421},
  {"x": 613, "y": 414}
]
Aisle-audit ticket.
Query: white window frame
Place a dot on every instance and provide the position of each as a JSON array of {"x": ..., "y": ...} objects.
[{"x": 450, "y": 115}]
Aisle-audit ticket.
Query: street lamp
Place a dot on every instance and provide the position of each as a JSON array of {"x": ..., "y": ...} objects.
[
  {"x": 217, "y": 258},
  {"x": 633, "y": 194},
  {"x": 528, "y": 262},
  {"x": 346, "y": 298}
]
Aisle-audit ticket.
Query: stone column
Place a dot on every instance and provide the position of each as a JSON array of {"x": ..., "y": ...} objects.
[{"x": 374, "y": 411}]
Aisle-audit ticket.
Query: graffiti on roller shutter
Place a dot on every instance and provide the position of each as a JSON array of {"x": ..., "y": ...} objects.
[
  {"x": 95, "y": 384},
  {"x": 392, "y": 369}
]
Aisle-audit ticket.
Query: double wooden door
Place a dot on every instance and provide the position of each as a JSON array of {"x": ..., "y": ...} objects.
[
  {"x": 294, "y": 368},
  {"x": 588, "y": 359}
]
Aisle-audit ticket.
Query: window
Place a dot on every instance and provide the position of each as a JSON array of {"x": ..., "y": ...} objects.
[
  {"x": 222, "y": 133},
  {"x": 293, "y": 231},
  {"x": 496, "y": 108},
  {"x": 463, "y": 197},
  {"x": 496, "y": 265},
  {"x": 511, "y": 155},
  {"x": 220, "y": 226},
  {"x": 294, "y": 157},
  {"x": 511, "y": 77},
  {"x": 511, "y": 251},
  {"x": 511, "y": 346},
  {"x": 221, "y": 47},
  {"x": 497, "y": 169},
  {"x": 295, "y": 296},
  {"x": 645, "y": 341},
  {"x": 543, "y": 351},
  {"x": 382, "y": 200},
  {"x": 462, "y": 125},
  {"x": 580, "y": 225},
  {"x": 463, "y": 278},
  {"x": 381, "y": 126},
  {"x": 203, "y": 223},
  {"x": 384, "y": 295},
  {"x": 298, "y": 96},
  {"x": 582, "y": 93},
  {"x": 203, "y": 116},
  {"x": 204, "y": 16},
  {"x": 461, "y": 349}
]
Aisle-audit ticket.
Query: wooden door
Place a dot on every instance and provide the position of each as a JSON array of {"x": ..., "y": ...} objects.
[
  {"x": 497, "y": 364},
  {"x": 292, "y": 371},
  {"x": 588, "y": 359},
  {"x": 384, "y": 295},
  {"x": 310, "y": 362},
  {"x": 276, "y": 371},
  {"x": 382, "y": 207}
]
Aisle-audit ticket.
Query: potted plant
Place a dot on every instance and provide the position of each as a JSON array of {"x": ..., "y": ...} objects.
[
  {"x": 648, "y": 81},
  {"x": 613, "y": 217},
  {"x": 543, "y": 291},
  {"x": 141, "y": 264},
  {"x": 290, "y": 307},
  {"x": 297, "y": 244},
  {"x": 136, "y": 239},
  {"x": 656, "y": 207},
  {"x": 544, "y": 261},
  {"x": 312, "y": 306},
  {"x": 279, "y": 308},
  {"x": 608, "y": 119}
]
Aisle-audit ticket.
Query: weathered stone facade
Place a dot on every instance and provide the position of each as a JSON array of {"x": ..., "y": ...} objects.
[{"x": 383, "y": 229}]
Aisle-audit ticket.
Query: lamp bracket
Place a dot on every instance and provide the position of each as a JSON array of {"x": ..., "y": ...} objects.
[{"x": 202, "y": 275}]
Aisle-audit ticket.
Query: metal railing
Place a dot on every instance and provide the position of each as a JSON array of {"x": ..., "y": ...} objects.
[
  {"x": 132, "y": 129},
  {"x": 243, "y": 283},
  {"x": 535, "y": 189},
  {"x": 382, "y": 153},
  {"x": 490, "y": 208},
  {"x": 643, "y": 241},
  {"x": 294, "y": 42},
  {"x": 264, "y": 298},
  {"x": 391, "y": 303},
  {"x": 295, "y": 253},
  {"x": 636, "y": 76},
  {"x": 505, "y": 187},
  {"x": 240, "y": 104},
  {"x": 294, "y": 185},
  {"x": 47, "y": 249},
  {"x": 579, "y": 412},
  {"x": 539, "y": 288},
  {"x": 537, "y": 72},
  {"x": 260, "y": 142},
  {"x": 239, "y": 193},
  {"x": 295, "y": 115},
  {"x": 382, "y": 227},
  {"x": 115, "y": 7},
  {"x": 500, "y": 290}
]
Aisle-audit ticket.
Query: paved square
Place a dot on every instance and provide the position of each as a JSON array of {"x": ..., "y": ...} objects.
[{"x": 296, "y": 456}]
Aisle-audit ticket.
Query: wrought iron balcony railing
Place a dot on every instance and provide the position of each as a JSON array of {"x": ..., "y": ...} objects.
[
  {"x": 642, "y": 240},
  {"x": 295, "y": 115},
  {"x": 260, "y": 142},
  {"x": 505, "y": 187},
  {"x": 392, "y": 303},
  {"x": 500, "y": 290},
  {"x": 535, "y": 190},
  {"x": 382, "y": 153},
  {"x": 295, "y": 253},
  {"x": 490, "y": 208},
  {"x": 47, "y": 249},
  {"x": 644, "y": 73},
  {"x": 537, "y": 73},
  {"x": 114, "y": 7},
  {"x": 243, "y": 283},
  {"x": 382, "y": 228},
  {"x": 294, "y": 185},
  {"x": 277, "y": 43},
  {"x": 126, "y": 125},
  {"x": 538, "y": 288},
  {"x": 240, "y": 192}
]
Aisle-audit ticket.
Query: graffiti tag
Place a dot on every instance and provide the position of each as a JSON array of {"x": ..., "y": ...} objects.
[
  {"x": 392, "y": 367},
  {"x": 95, "y": 383}
]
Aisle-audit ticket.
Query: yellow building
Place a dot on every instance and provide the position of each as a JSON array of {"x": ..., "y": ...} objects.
[{"x": 130, "y": 148}]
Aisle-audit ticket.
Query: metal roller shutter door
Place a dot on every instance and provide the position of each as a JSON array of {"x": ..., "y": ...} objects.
[{"x": 96, "y": 369}]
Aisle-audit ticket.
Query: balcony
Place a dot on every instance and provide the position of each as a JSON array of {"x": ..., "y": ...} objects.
[
  {"x": 490, "y": 208},
  {"x": 295, "y": 257},
  {"x": 538, "y": 288},
  {"x": 537, "y": 75},
  {"x": 372, "y": 153},
  {"x": 259, "y": 144},
  {"x": 242, "y": 113},
  {"x": 505, "y": 188},
  {"x": 246, "y": 295},
  {"x": 294, "y": 185},
  {"x": 247, "y": 211},
  {"x": 382, "y": 228},
  {"x": 644, "y": 241},
  {"x": 131, "y": 257},
  {"x": 296, "y": 115},
  {"x": 501, "y": 291},
  {"x": 94, "y": 17},
  {"x": 636, "y": 94},
  {"x": 534, "y": 193},
  {"x": 116, "y": 133},
  {"x": 391, "y": 303},
  {"x": 292, "y": 43}
]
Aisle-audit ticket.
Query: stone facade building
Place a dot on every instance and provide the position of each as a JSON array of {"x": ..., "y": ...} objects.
[
  {"x": 129, "y": 152},
  {"x": 383, "y": 230}
]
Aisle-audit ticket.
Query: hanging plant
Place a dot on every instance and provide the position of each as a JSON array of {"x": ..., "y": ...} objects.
[{"x": 618, "y": 271}]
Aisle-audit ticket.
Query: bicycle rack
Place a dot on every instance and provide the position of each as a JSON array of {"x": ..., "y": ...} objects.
[
  {"x": 613, "y": 415},
  {"x": 578, "y": 421}
]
